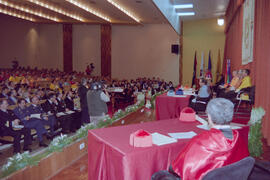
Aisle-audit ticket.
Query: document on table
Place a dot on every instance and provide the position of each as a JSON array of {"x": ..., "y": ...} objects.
[
  {"x": 183, "y": 135},
  {"x": 70, "y": 112},
  {"x": 201, "y": 120},
  {"x": 60, "y": 114},
  {"x": 203, "y": 126},
  {"x": 160, "y": 139},
  {"x": 178, "y": 96},
  {"x": 35, "y": 116}
]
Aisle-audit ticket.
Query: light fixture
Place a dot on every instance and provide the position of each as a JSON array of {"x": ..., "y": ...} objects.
[
  {"x": 186, "y": 13},
  {"x": 8, "y": 12},
  {"x": 27, "y": 10},
  {"x": 123, "y": 10},
  {"x": 58, "y": 10},
  {"x": 220, "y": 21},
  {"x": 86, "y": 8},
  {"x": 183, "y": 6}
]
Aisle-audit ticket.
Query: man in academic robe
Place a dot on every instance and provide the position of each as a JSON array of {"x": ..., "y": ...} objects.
[{"x": 218, "y": 147}]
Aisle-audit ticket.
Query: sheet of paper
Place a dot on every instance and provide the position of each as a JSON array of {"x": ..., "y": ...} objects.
[
  {"x": 70, "y": 112},
  {"x": 178, "y": 95},
  {"x": 160, "y": 139},
  {"x": 35, "y": 116},
  {"x": 203, "y": 126},
  {"x": 60, "y": 114},
  {"x": 183, "y": 135},
  {"x": 201, "y": 120}
]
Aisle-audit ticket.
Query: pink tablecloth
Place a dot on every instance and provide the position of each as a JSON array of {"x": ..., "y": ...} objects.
[
  {"x": 112, "y": 158},
  {"x": 170, "y": 107}
]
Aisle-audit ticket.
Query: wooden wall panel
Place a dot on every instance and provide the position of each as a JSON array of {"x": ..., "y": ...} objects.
[
  {"x": 106, "y": 60},
  {"x": 67, "y": 47}
]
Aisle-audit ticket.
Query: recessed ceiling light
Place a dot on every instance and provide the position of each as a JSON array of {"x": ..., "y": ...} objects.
[
  {"x": 220, "y": 21},
  {"x": 15, "y": 14},
  {"x": 183, "y": 6},
  {"x": 186, "y": 13}
]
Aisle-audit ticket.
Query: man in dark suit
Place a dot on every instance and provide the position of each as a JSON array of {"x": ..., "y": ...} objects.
[
  {"x": 82, "y": 91},
  {"x": 67, "y": 119},
  {"x": 32, "y": 123},
  {"x": 4, "y": 93},
  {"x": 47, "y": 119},
  {"x": 7, "y": 118},
  {"x": 76, "y": 115}
]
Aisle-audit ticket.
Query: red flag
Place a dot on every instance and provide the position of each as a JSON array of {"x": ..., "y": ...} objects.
[{"x": 194, "y": 69}]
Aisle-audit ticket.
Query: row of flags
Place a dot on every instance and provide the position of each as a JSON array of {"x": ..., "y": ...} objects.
[{"x": 208, "y": 72}]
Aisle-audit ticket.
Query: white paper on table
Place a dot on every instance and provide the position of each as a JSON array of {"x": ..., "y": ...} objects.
[
  {"x": 201, "y": 120},
  {"x": 35, "y": 116},
  {"x": 60, "y": 114},
  {"x": 183, "y": 135},
  {"x": 70, "y": 112},
  {"x": 203, "y": 126},
  {"x": 160, "y": 139},
  {"x": 178, "y": 95}
]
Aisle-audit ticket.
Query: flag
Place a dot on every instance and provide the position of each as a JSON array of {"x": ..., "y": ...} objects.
[
  {"x": 209, "y": 69},
  {"x": 194, "y": 70},
  {"x": 202, "y": 67},
  {"x": 218, "y": 70},
  {"x": 228, "y": 71}
]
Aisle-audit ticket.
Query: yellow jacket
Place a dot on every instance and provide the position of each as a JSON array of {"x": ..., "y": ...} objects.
[{"x": 246, "y": 82}]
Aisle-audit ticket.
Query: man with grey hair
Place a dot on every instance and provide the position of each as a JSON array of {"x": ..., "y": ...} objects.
[{"x": 218, "y": 147}]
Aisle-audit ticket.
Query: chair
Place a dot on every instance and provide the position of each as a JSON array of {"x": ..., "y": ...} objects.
[
  {"x": 250, "y": 91},
  {"x": 239, "y": 170}
]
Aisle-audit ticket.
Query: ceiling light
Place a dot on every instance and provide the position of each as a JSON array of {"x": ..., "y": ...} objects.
[
  {"x": 186, "y": 13},
  {"x": 183, "y": 6},
  {"x": 8, "y": 12},
  {"x": 86, "y": 8},
  {"x": 58, "y": 10},
  {"x": 25, "y": 9},
  {"x": 220, "y": 21},
  {"x": 123, "y": 10}
]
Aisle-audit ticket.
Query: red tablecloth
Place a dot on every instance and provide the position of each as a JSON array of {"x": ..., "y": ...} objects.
[
  {"x": 110, "y": 157},
  {"x": 170, "y": 107}
]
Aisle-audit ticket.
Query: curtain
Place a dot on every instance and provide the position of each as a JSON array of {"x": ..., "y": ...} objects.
[{"x": 261, "y": 64}]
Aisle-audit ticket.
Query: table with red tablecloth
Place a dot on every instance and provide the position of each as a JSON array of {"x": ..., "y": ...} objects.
[
  {"x": 169, "y": 107},
  {"x": 110, "y": 157}
]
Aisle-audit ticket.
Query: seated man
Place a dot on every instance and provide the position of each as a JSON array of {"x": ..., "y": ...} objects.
[
  {"x": 246, "y": 82},
  {"x": 199, "y": 102},
  {"x": 46, "y": 119},
  {"x": 218, "y": 147},
  {"x": 32, "y": 123},
  {"x": 7, "y": 118},
  {"x": 76, "y": 116}
]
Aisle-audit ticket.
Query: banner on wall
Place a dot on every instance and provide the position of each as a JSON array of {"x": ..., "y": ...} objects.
[{"x": 248, "y": 32}]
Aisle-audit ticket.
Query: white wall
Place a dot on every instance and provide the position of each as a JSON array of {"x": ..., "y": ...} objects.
[
  {"x": 31, "y": 44},
  {"x": 86, "y": 47},
  {"x": 144, "y": 51}
]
